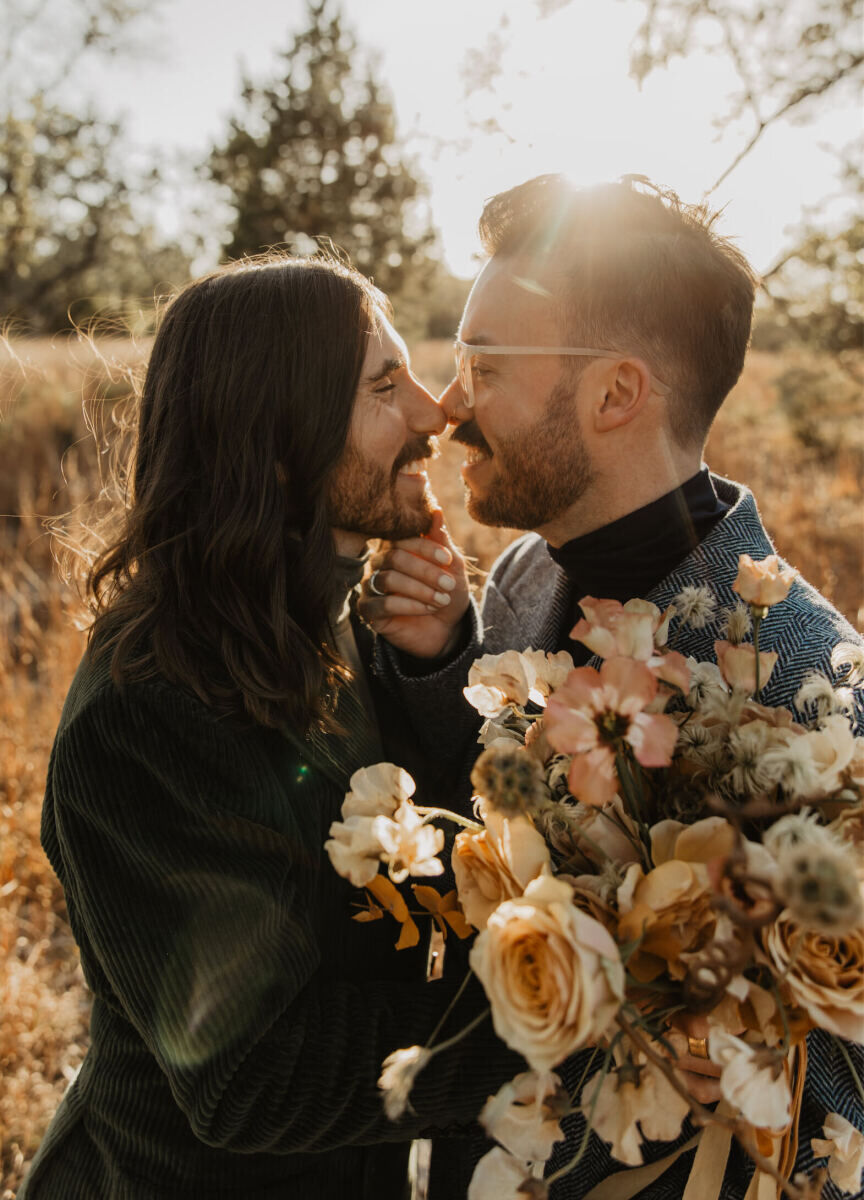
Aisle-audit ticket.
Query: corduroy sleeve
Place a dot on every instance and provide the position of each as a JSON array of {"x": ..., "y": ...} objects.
[{"x": 193, "y": 923}]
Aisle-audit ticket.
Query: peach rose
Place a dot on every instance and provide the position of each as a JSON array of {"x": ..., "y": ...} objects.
[
  {"x": 824, "y": 974},
  {"x": 497, "y": 863},
  {"x": 763, "y": 583},
  {"x": 738, "y": 665},
  {"x": 611, "y": 629},
  {"x": 553, "y": 974}
]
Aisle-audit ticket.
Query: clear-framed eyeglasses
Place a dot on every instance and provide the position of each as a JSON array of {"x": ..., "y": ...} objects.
[{"x": 466, "y": 351}]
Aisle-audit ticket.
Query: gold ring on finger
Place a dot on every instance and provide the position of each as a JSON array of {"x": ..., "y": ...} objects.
[{"x": 697, "y": 1047}]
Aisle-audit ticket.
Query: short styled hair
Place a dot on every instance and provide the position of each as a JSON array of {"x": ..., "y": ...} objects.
[{"x": 641, "y": 272}]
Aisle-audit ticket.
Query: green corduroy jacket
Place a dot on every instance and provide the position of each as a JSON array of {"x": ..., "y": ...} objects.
[{"x": 240, "y": 1017}]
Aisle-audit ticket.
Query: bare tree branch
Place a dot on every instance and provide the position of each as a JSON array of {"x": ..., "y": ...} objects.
[{"x": 803, "y": 93}]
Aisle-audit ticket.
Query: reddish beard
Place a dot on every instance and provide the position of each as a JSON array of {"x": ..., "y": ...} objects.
[{"x": 540, "y": 471}]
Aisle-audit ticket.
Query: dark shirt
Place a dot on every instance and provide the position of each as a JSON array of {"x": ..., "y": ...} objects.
[{"x": 628, "y": 557}]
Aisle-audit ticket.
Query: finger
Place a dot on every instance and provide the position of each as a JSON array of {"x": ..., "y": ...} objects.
[
  {"x": 377, "y": 609},
  {"x": 437, "y": 591},
  {"x": 685, "y": 1061},
  {"x": 402, "y": 565},
  {"x": 695, "y": 1026},
  {"x": 706, "y": 1091},
  {"x": 698, "y": 1066},
  {"x": 420, "y": 547}
]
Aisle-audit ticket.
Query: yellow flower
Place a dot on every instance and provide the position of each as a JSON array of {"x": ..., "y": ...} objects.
[
  {"x": 552, "y": 974},
  {"x": 497, "y": 863},
  {"x": 670, "y": 907},
  {"x": 763, "y": 583}
]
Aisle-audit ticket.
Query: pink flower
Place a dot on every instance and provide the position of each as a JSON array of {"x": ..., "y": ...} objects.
[
  {"x": 672, "y": 668},
  {"x": 762, "y": 583},
  {"x": 738, "y": 665},
  {"x": 611, "y": 629},
  {"x": 594, "y": 713}
]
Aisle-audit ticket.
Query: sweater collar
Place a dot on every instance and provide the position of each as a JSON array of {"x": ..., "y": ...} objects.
[
  {"x": 348, "y": 573},
  {"x": 631, "y": 555}
]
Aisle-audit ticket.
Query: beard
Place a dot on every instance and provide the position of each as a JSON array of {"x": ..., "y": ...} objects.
[
  {"x": 364, "y": 497},
  {"x": 541, "y": 471}
]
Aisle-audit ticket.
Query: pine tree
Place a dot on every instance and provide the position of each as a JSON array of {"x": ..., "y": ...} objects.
[{"x": 313, "y": 154}]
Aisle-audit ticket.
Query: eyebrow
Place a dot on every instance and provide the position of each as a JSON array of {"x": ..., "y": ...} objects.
[{"x": 390, "y": 365}]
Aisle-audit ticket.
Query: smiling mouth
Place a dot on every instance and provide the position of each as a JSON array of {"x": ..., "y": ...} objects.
[{"x": 476, "y": 454}]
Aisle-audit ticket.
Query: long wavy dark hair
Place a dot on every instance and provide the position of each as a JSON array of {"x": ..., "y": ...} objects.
[{"x": 220, "y": 576}]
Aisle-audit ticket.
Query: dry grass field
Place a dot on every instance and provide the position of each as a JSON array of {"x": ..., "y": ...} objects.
[{"x": 803, "y": 462}]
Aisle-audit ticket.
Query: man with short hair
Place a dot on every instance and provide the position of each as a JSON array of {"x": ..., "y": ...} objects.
[{"x": 596, "y": 346}]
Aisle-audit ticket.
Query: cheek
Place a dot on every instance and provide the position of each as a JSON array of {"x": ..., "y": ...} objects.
[{"x": 378, "y": 437}]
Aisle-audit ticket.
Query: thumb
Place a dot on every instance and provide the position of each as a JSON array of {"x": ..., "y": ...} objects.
[{"x": 438, "y": 531}]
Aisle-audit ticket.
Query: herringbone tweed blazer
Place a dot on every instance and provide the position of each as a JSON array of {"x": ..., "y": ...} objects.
[{"x": 529, "y": 601}]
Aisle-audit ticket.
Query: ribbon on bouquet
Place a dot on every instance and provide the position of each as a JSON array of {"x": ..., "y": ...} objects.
[{"x": 713, "y": 1145}]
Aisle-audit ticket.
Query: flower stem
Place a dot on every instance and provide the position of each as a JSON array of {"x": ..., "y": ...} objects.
[
  {"x": 575, "y": 1160},
  {"x": 463, "y": 1033},
  {"x": 447, "y": 1011},
  {"x": 757, "y": 621},
  {"x": 429, "y": 814},
  {"x": 704, "y": 1116},
  {"x": 849, "y": 1063}
]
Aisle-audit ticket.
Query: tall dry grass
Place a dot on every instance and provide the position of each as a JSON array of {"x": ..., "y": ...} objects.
[{"x": 49, "y": 463}]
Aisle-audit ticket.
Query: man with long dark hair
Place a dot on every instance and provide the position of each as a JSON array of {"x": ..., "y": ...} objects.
[{"x": 240, "y": 1017}]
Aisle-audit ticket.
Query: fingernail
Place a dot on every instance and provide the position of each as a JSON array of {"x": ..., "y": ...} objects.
[
  {"x": 443, "y": 556},
  {"x": 442, "y": 598},
  {"x": 447, "y": 582}
]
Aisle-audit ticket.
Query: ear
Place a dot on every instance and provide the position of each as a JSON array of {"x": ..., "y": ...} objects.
[{"x": 627, "y": 384}]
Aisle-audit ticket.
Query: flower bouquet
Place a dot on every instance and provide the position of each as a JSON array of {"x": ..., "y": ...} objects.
[{"x": 650, "y": 844}]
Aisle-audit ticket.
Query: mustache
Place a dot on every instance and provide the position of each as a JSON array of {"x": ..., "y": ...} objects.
[
  {"x": 412, "y": 451},
  {"x": 468, "y": 434}
]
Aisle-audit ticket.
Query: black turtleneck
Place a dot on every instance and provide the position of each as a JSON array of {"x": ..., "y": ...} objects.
[{"x": 629, "y": 556}]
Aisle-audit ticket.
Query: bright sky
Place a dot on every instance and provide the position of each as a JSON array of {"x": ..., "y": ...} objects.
[{"x": 566, "y": 101}]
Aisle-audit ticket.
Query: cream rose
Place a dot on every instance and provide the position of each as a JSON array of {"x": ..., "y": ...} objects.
[
  {"x": 553, "y": 974},
  {"x": 763, "y": 583},
  {"x": 496, "y": 863},
  {"x": 824, "y": 974}
]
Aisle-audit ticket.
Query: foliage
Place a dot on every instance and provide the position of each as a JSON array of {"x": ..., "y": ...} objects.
[
  {"x": 817, "y": 292},
  {"x": 71, "y": 235},
  {"x": 786, "y": 53},
  {"x": 49, "y": 464},
  {"x": 313, "y": 154}
]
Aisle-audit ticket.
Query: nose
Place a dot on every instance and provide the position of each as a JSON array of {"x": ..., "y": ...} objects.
[
  {"x": 454, "y": 403},
  {"x": 423, "y": 412}
]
